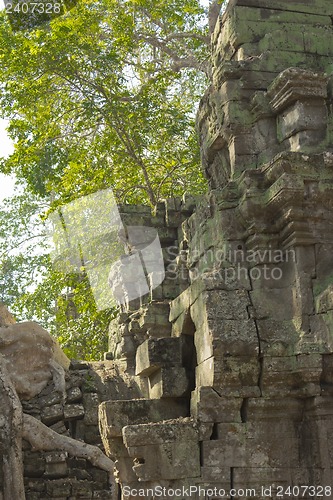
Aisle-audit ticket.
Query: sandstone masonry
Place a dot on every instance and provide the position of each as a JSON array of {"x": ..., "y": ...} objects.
[{"x": 232, "y": 354}]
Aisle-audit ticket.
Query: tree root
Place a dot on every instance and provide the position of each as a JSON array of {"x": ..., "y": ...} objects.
[{"x": 43, "y": 438}]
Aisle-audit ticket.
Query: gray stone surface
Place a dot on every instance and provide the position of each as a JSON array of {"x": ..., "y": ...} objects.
[{"x": 255, "y": 303}]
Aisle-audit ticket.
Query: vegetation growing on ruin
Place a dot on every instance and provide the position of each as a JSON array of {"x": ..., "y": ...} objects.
[{"x": 104, "y": 96}]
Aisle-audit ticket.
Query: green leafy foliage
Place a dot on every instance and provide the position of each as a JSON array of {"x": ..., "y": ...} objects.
[{"x": 104, "y": 96}]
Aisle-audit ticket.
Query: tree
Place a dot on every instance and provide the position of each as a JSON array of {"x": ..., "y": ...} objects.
[{"x": 104, "y": 96}]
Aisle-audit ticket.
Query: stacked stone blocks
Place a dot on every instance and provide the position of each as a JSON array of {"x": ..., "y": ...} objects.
[{"x": 254, "y": 309}]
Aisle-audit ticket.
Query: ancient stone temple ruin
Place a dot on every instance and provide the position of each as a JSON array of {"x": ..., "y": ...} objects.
[{"x": 221, "y": 378}]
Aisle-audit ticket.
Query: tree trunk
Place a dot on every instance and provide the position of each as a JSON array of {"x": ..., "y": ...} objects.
[{"x": 10, "y": 439}]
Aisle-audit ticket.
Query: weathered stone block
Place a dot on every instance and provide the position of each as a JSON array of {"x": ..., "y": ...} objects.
[
  {"x": 90, "y": 404},
  {"x": 225, "y": 279},
  {"x": 100, "y": 476},
  {"x": 59, "y": 488},
  {"x": 56, "y": 465},
  {"x": 180, "y": 304},
  {"x": 233, "y": 376},
  {"x": 294, "y": 6},
  {"x": 283, "y": 39},
  {"x": 114, "y": 415},
  {"x": 327, "y": 374},
  {"x": 238, "y": 376},
  {"x": 104, "y": 494},
  {"x": 324, "y": 301},
  {"x": 318, "y": 40},
  {"x": 56, "y": 457},
  {"x": 220, "y": 304},
  {"x": 270, "y": 14},
  {"x": 156, "y": 316},
  {"x": 294, "y": 375},
  {"x": 324, "y": 264},
  {"x": 52, "y": 414},
  {"x": 248, "y": 477},
  {"x": 82, "y": 489},
  {"x": 34, "y": 464},
  {"x": 272, "y": 304},
  {"x": 208, "y": 406},
  {"x": 74, "y": 395},
  {"x": 56, "y": 470},
  {"x": 277, "y": 275},
  {"x": 155, "y": 353},
  {"x": 226, "y": 337},
  {"x": 239, "y": 448},
  {"x": 164, "y": 451},
  {"x": 169, "y": 382},
  {"x": 73, "y": 411},
  {"x": 215, "y": 474},
  {"x": 50, "y": 399},
  {"x": 320, "y": 337},
  {"x": 277, "y": 338},
  {"x": 307, "y": 140},
  {"x": 301, "y": 116},
  {"x": 204, "y": 373}
]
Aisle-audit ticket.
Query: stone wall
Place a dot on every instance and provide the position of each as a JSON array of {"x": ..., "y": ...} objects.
[
  {"x": 221, "y": 377},
  {"x": 233, "y": 354}
]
